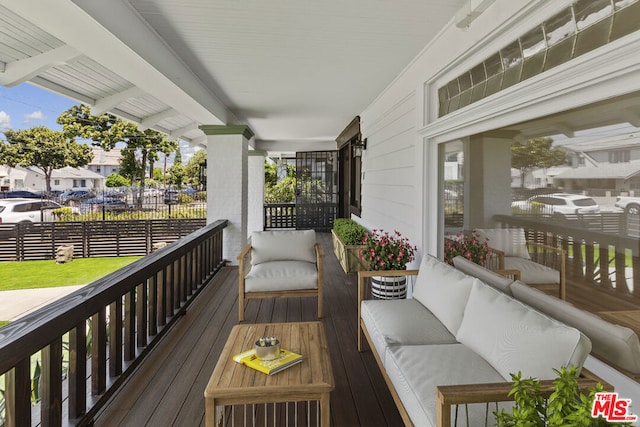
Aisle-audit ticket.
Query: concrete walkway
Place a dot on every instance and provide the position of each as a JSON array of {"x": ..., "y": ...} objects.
[{"x": 15, "y": 304}]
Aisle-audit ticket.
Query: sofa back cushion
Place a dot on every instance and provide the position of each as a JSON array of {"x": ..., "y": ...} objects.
[
  {"x": 489, "y": 277},
  {"x": 511, "y": 241},
  {"x": 513, "y": 337},
  {"x": 612, "y": 343},
  {"x": 443, "y": 290},
  {"x": 289, "y": 245}
]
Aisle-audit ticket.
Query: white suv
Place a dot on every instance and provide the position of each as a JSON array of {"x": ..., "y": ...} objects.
[
  {"x": 27, "y": 210},
  {"x": 559, "y": 204}
]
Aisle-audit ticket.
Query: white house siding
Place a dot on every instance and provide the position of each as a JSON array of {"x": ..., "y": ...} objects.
[
  {"x": 606, "y": 72},
  {"x": 390, "y": 190}
]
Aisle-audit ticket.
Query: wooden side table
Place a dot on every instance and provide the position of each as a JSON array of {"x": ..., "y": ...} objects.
[{"x": 235, "y": 384}]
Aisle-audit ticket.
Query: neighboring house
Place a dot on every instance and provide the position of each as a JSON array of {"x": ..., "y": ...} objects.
[
  {"x": 32, "y": 178},
  {"x": 537, "y": 178},
  {"x": 606, "y": 165},
  {"x": 104, "y": 162}
]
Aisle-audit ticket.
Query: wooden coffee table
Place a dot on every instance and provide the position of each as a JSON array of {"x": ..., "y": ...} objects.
[{"x": 235, "y": 384}]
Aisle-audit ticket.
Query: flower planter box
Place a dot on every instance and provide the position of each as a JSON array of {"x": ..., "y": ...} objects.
[{"x": 347, "y": 255}]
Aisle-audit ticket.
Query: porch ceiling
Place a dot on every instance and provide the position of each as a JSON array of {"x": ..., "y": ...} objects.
[{"x": 294, "y": 71}]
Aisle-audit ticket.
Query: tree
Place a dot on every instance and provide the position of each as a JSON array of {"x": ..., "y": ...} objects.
[
  {"x": 43, "y": 148},
  {"x": 176, "y": 174},
  {"x": 536, "y": 153},
  {"x": 192, "y": 168},
  {"x": 116, "y": 180},
  {"x": 108, "y": 130}
]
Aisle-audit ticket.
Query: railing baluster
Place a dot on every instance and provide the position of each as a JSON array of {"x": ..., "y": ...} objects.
[
  {"x": 162, "y": 297},
  {"x": 18, "y": 394},
  {"x": 115, "y": 338},
  {"x": 153, "y": 305},
  {"x": 129, "y": 326},
  {"x": 141, "y": 315},
  {"x": 98, "y": 352},
  {"x": 51, "y": 384},
  {"x": 78, "y": 371}
]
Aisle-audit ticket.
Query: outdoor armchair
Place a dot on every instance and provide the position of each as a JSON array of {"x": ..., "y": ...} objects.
[
  {"x": 281, "y": 264},
  {"x": 536, "y": 264}
]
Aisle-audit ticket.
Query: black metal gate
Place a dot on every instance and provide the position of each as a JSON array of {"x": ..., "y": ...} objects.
[{"x": 316, "y": 189}]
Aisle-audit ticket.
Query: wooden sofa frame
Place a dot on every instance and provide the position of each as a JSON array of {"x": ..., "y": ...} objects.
[
  {"x": 450, "y": 395},
  {"x": 244, "y": 265}
]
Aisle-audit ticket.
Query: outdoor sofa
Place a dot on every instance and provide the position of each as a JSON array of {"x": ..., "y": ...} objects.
[{"x": 457, "y": 341}]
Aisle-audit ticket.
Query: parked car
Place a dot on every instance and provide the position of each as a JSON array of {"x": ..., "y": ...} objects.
[
  {"x": 106, "y": 203},
  {"x": 75, "y": 196},
  {"x": 14, "y": 194},
  {"x": 631, "y": 205},
  {"x": 559, "y": 204},
  {"x": 27, "y": 210}
]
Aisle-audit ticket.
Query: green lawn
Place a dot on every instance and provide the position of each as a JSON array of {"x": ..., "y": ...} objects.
[{"x": 48, "y": 274}]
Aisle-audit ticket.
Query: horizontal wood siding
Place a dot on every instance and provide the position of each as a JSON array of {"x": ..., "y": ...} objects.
[{"x": 390, "y": 163}]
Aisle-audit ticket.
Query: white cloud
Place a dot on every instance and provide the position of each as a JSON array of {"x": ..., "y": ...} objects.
[
  {"x": 5, "y": 121},
  {"x": 36, "y": 115}
]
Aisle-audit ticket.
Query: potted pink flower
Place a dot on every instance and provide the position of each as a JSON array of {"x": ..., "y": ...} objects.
[
  {"x": 384, "y": 251},
  {"x": 466, "y": 244}
]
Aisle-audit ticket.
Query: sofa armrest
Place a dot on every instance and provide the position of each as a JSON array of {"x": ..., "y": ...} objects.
[
  {"x": 511, "y": 273},
  {"x": 450, "y": 395},
  {"x": 362, "y": 275}
]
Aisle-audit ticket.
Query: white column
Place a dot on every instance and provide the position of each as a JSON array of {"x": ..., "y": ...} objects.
[
  {"x": 255, "y": 221},
  {"x": 227, "y": 183},
  {"x": 488, "y": 179}
]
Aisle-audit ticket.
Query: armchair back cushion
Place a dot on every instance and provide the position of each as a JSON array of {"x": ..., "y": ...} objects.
[
  {"x": 443, "y": 290},
  {"x": 511, "y": 241},
  {"x": 288, "y": 245},
  {"x": 513, "y": 337}
]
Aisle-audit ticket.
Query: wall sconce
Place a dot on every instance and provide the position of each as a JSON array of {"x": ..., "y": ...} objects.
[{"x": 358, "y": 147}]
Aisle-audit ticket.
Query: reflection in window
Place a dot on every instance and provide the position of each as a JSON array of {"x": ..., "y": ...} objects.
[{"x": 453, "y": 170}]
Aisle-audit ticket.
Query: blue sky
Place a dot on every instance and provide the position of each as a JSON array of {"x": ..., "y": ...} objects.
[{"x": 26, "y": 106}]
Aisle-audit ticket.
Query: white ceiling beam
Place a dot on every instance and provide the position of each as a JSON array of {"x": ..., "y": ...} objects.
[
  {"x": 632, "y": 117},
  {"x": 177, "y": 133},
  {"x": 23, "y": 70},
  {"x": 105, "y": 104},
  {"x": 565, "y": 129},
  {"x": 471, "y": 11},
  {"x": 151, "y": 120},
  {"x": 199, "y": 141},
  {"x": 114, "y": 36}
]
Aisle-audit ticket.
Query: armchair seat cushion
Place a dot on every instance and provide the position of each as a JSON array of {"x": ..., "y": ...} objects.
[
  {"x": 281, "y": 276},
  {"x": 531, "y": 272}
]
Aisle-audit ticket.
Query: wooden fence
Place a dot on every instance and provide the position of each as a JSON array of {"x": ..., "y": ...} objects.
[
  {"x": 38, "y": 241},
  {"x": 127, "y": 312}
]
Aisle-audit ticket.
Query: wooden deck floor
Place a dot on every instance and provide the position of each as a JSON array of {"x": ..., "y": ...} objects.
[{"x": 168, "y": 388}]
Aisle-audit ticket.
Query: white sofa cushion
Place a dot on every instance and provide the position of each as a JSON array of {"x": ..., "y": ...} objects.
[
  {"x": 613, "y": 343},
  {"x": 287, "y": 245},
  {"x": 513, "y": 337},
  {"x": 487, "y": 276},
  {"x": 416, "y": 370},
  {"x": 281, "y": 276},
  {"x": 531, "y": 272},
  {"x": 407, "y": 322},
  {"x": 443, "y": 290},
  {"x": 511, "y": 241}
]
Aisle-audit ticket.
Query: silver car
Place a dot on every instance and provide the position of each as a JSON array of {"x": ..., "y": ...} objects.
[{"x": 558, "y": 204}]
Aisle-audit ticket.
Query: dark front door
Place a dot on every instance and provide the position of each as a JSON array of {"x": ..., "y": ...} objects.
[{"x": 316, "y": 189}]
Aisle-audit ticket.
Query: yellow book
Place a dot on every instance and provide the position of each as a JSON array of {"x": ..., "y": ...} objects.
[{"x": 287, "y": 358}]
